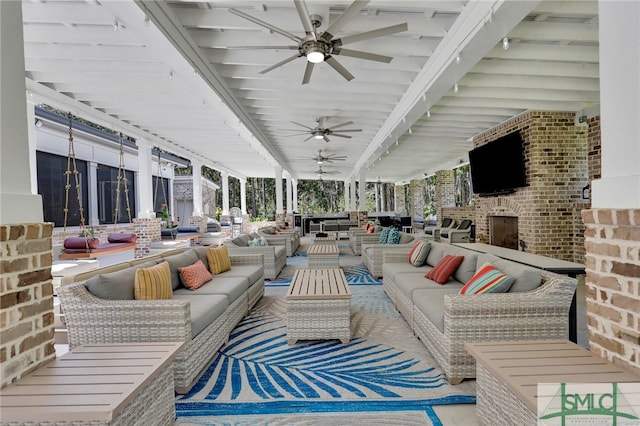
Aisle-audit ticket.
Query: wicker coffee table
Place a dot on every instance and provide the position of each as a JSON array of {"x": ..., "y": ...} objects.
[
  {"x": 318, "y": 306},
  {"x": 323, "y": 256}
]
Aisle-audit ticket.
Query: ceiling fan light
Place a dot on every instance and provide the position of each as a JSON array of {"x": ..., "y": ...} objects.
[
  {"x": 318, "y": 136},
  {"x": 315, "y": 56}
]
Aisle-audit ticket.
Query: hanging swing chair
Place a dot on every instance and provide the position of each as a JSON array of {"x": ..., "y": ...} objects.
[{"x": 86, "y": 246}]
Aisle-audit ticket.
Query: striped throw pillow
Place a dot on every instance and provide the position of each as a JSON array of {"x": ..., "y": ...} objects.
[
  {"x": 418, "y": 253},
  {"x": 194, "y": 276},
  {"x": 488, "y": 279},
  {"x": 153, "y": 282},
  {"x": 443, "y": 270},
  {"x": 218, "y": 258}
]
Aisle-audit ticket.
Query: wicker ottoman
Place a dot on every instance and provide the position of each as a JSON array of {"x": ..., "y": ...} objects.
[
  {"x": 323, "y": 256},
  {"x": 318, "y": 306}
]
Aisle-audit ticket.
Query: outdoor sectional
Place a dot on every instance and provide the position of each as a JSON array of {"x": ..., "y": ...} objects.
[
  {"x": 101, "y": 309},
  {"x": 372, "y": 254},
  {"x": 290, "y": 239},
  {"x": 275, "y": 256},
  {"x": 535, "y": 307}
]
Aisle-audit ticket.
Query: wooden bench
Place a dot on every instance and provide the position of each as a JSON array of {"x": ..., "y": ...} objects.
[
  {"x": 318, "y": 306},
  {"x": 508, "y": 374},
  {"x": 97, "y": 384},
  {"x": 323, "y": 256}
]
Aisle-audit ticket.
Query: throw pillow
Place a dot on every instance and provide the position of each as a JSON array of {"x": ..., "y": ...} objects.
[
  {"x": 81, "y": 243},
  {"x": 371, "y": 230},
  {"x": 393, "y": 237},
  {"x": 195, "y": 275},
  {"x": 384, "y": 234},
  {"x": 443, "y": 270},
  {"x": 153, "y": 283},
  {"x": 488, "y": 279},
  {"x": 122, "y": 238},
  {"x": 263, "y": 242},
  {"x": 418, "y": 253},
  {"x": 218, "y": 258},
  {"x": 253, "y": 243}
]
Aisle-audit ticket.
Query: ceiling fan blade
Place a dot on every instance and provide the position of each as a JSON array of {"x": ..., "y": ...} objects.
[
  {"x": 362, "y": 55},
  {"x": 296, "y": 134},
  {"x": 302, "y": 125},
  {"x": 348, "y": 130},
  {"x": 261, "y": 47},
  {"x": 392, "y": 29},
  {"x": 341, "y": 70},
  {"x": 310, "y": 137},
  {"x": 303, "y": 12},
  {"x": 279, "y": 64},
  {"x": 307, "y": 72},
  {"x": 346, "y": 123},
  {"x": 342, "y": 20},
  {"x": 341, "y": 136},
  {"x": 265, "y": 25},
  {"x": 326, "y": 139}
]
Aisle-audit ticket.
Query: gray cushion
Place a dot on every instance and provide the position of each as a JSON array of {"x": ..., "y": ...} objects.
[
  {"x": 204, "y": 309},
  {"x": 201, "y": 252},
  {"x": 181, "y": 260},
  {"x": 116, "y": 285},
  {"x": 431, "y": 303},
  {"x": 232, "y": 287},
  {"x": 391, "y": 270},
  {"x": 435, "y": 254},
  {"x": 526, "y": 277},
  {"x": 405, "y": 238},
  {"x": 267, "y": 231},
  {"x": 407, "y": 283},
  {"x": 252, "y": 272}
]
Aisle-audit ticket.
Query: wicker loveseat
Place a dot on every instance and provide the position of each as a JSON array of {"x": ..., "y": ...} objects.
[
  {"x": 291, "y": 240},
  {"x": 535, "y": 307},
  {"x": 203, "y": 318},
  {"x": 275, "y": 256},
  {"x": 358, "y": 236}
]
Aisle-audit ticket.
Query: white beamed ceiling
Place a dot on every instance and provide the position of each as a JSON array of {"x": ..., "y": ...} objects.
[{"x": 230, "y": 117}]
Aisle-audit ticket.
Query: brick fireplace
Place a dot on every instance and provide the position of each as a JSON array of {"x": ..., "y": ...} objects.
[{"x": 503, "y": 231}]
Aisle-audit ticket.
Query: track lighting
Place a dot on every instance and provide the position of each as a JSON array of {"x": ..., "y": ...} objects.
[
  {"x": 458, "y": 59},
  {"x": 428, "y": 113},
  {"x": 146, "y": 21},
  {"x": 455, "y": 88},
  {"x": 505, "y": 43},
  {"x": 170, "y": 75},
  {"x": 116, "y": 26},
  {"x": 410, "y": 131}
]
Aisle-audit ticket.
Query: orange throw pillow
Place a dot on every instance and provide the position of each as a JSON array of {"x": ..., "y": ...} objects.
[
  {"x": 443, "y": 270},
  {"x": 194, "y": 276}
]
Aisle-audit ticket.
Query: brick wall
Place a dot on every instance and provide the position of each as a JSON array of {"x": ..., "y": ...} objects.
[
  {"x": 417, "y": 198},
  {"x": 595, "y": 148},
  {"x": 459, "y": 213},
  {"x": 26, "y": 294},
  {"x": 548, "y": 210},
  {"x": 612, "y": 241}
]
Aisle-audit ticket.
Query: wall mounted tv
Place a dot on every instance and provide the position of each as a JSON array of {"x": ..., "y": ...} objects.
[{"x": 498, "y": 166}]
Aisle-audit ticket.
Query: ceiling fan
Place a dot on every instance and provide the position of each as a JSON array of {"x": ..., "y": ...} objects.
[
  {"x": 322, "y": 47},
  {"x": 320, "y": 172},
  {"x": 322, "y": 131},
  {"x": 329, "y": 158}
]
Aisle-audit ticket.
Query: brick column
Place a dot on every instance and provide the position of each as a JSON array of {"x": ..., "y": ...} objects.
[
  {"x": 417, "y": 198},
  {"x": 612, "y": 242},
  {"x": 199, "y": 221},
  {"x": 148, "y": 231},
  {"x": 26, "y": 294},
  {"x": 445, "y": 191}
]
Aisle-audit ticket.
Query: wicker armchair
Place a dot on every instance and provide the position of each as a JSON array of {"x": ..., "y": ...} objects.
[
  {"x": 461, "y": 234},
  {"x": 91, "y": 319},
  {"x": 356, "y": 239},
  {"x": 290, "y": 240},
  {"x": 373, "y": 254},
  {"x": 534, "y": 315}
]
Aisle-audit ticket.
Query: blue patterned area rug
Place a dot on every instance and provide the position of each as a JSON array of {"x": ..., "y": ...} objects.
[{"x": 384, "y": 375}]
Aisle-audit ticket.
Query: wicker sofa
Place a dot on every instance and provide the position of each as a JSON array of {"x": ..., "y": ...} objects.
[
  {"x": 202, "y": 318},
  {"x": 274, "y": 256},
  {"x": 290, "y": 240},
  {"x": 372, "y": 254},
  {"x": 535, "y": 307}
]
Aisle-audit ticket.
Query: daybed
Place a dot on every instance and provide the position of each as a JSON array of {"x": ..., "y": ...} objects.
[
  {"x": 291, "y": 240},
  {"x": 372, "y": 254},
  {"x": 359, "y": 236},
  {"x": 535, "y": 306},
  {"x": 91, "y": 248},
  {"x": 103, "y": 308},
  {"x": 275, "y": 256}
]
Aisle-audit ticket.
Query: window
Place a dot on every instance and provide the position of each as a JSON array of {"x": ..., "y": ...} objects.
[
  {"x": 430, "y": 195},
  {"x": 107, "y": 195},
  {"x": 463, "y": 185},
  {"x": 51, "y": 187}
]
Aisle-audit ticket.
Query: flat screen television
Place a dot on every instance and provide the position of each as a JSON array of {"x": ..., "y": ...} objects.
[{"x": 498, "y": 166}]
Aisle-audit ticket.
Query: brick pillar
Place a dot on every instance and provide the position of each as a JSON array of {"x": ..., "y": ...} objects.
[
  {"x": 199, "y": 221},
  {"x": 148, "y": 231},
  {"x": 417, "y": 198},
  {"x": 445, "y": 191},
  {"x": 26, "y": 292},
  {"x": 280, "y": 218},
  {"x": 612, "y": 243}
]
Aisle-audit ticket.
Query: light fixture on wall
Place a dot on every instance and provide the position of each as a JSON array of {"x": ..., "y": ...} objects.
[{"x": 505, "y": 43}]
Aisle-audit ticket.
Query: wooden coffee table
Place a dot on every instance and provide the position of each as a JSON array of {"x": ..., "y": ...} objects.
[
  {"x": 323, "y": 256},
  {"x": 318, "y": 306}
]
